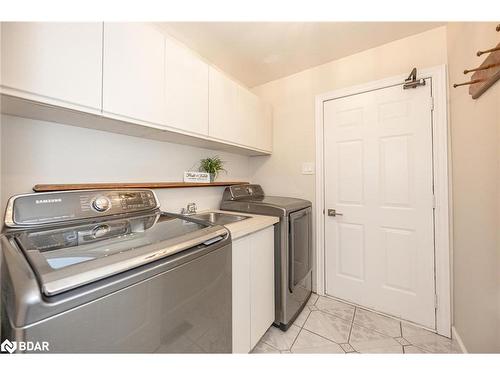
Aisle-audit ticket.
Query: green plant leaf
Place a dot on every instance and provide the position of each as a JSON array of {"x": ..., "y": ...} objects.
[{"x": 213, "y": 165}]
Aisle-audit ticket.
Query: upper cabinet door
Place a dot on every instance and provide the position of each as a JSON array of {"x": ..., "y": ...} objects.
[
  {"x": 56, "y": 61},
  {"x": 134, "y": 71},
  {"x": 255, "y": 121},
  {"x": 248, "y": 115},
  {"x": 265, "y": 127},
  {"x": 237, "y": 115},
  {"x": 224, "y": 108},
  {"x": 186, "y": 89}
]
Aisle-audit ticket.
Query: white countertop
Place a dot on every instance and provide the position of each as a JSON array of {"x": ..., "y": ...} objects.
[{"x": 247, "y": 226}]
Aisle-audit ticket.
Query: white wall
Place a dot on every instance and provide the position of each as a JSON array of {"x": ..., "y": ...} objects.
[
  {"x": 41, "y": 152},
  {"x": 293, "y": 100},
  {"x": 475, "y": 131}
]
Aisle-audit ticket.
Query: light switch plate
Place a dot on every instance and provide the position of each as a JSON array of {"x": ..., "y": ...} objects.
[{"x": 308, "y": 168}]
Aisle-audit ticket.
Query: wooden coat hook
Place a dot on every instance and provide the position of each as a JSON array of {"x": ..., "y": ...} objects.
[
  {"x": 489, "y": 66},
  {"x": 479, "y": 53},
  {"x": 474, "y": 81}
]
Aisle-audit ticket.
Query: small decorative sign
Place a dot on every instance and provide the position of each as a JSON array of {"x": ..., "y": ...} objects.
[{"x": 197, "y": 177}]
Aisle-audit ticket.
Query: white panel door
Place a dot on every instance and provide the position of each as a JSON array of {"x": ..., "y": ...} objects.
[
  {"x": 61, "y": 61},
  {"x": 134, "y": 71},
  {"x": 378, "y": 175},
  {"x": 186, "y": 89}
]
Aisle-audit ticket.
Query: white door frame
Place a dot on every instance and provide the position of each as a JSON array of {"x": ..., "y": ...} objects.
[{"x": 442, "y": 178}]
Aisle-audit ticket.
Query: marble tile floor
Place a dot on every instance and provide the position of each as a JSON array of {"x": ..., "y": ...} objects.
[{"x": 330, "y": 326}]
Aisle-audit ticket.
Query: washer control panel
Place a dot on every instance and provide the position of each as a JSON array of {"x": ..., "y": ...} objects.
[{"x": 57, "y": 207}]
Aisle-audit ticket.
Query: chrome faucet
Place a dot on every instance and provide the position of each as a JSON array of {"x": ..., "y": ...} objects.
[{"x": 189, "y": 210}]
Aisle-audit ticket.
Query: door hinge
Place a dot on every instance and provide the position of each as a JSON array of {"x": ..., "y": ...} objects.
[
  {"x": 435, "y": 301},
  {"x": 431, "y": 103},
  {"x": 433, "y": 201}
]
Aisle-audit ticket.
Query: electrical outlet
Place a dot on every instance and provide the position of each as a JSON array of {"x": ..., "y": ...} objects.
[{"x": 308, "y": 168}]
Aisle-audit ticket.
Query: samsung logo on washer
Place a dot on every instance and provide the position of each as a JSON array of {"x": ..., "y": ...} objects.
[
  {"x": 24, "y": 346},
  {"x": 45, "y": 201}
]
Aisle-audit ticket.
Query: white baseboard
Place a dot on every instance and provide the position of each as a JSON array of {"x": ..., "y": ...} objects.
[{"x": 456, "y": 336}]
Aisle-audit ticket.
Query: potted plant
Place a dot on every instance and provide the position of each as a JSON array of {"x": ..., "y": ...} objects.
[{"x": 213, "y": 166}]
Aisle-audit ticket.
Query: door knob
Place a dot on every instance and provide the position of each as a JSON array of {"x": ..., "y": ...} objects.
[{"x": 332, "y": 212}]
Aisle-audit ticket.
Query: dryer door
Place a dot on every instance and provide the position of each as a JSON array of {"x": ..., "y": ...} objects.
[{"x": 300, "y": 250}]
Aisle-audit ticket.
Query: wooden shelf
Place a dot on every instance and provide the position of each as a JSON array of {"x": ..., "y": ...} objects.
[{"x": 131, "y": 185}]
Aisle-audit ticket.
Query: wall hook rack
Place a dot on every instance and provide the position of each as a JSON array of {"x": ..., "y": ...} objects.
[{"x": 486, "y": 74}]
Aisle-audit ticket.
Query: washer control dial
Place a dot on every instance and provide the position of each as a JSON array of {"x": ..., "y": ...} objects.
[{"x": 101, "y": 204}]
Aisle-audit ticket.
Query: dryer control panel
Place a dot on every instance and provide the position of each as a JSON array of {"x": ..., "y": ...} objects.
[{"x": 59, "y": 207}]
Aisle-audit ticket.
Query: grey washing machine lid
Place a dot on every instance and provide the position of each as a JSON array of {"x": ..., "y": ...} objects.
[{"x": 64, "y": 258}]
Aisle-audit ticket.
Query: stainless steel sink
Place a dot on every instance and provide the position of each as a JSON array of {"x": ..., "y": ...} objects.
[{"x": 219, "y": 217}]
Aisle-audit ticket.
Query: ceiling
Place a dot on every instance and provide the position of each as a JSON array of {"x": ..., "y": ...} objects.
[{"x": 259, "y": 52}]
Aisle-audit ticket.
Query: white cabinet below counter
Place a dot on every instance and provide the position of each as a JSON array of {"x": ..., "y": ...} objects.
[{"x": 253, "y": 288}]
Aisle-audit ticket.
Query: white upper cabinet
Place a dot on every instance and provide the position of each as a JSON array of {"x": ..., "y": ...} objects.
[
  {"x": 57, "y": 62},
  {"x": 223, "y": 107},
  {"x": 186, "y": 78},
  {"x": 248, "y": 117},
  {"x": 134, "y": 72},
  {"x": 265, "y": 127},
  {"x": 138, "y": 80},
  {"x": 237, "y": 115}
]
